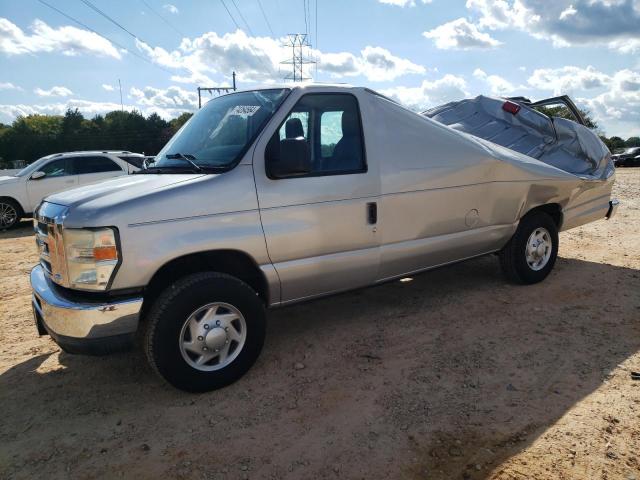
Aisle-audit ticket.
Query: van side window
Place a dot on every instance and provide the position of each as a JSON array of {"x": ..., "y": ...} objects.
[{"x": 330, "y": 124}]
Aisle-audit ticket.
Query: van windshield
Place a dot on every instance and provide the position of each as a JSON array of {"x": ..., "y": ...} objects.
[{"x": 217, "y": 136}]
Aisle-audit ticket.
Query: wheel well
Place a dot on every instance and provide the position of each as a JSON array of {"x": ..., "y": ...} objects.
[
  {"x": 554, "y": 210},
  {"x": 232, "y": 262},
  {"x": 14, "y": 201}
]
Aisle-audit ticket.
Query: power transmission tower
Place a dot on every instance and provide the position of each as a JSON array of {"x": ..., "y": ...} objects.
[
  {"x": 298, "y": 42},
  {"x": 217, "y": 90}
]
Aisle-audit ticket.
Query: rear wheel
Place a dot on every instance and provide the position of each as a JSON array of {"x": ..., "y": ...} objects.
[
  {"x": 10, "y": 213},
  {"x": 205, "y": 331},
  {"x": 531, "y": 253}
]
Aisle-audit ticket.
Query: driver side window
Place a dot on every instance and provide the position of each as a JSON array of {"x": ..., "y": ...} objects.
[
  {"x": 330, "y": 126},
  {"x": 57, "y": 168}
]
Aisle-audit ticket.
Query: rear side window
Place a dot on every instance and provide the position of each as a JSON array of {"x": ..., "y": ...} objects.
[
  {"x": 330, "y": 123},
  {"x": 83, "y": 165},
  {"x": 135, "y": 161}
]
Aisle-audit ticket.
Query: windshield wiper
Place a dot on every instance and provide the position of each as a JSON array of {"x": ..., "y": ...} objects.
[{"x": 181, "y": 156}]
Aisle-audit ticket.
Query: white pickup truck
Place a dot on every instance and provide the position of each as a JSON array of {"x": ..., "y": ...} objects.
[
  {"x": 22, "y": 191},
  {"x": 273, "y": 196}
]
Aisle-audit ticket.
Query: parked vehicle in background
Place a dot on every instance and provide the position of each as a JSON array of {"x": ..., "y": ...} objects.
[
  {"x": 21, "y": 192},
  {"x": 629, "y": 157},
  {"x": 274, "y": 196}
]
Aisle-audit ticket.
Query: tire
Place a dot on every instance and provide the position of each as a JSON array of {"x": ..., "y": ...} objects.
[
  {"x": 177, "y": 314},
  {"x": 516, "y": 265},
  {"x": 10, "y": 213}
]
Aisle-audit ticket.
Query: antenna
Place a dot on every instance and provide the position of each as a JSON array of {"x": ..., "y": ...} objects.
[{"x": 298, "y": 42}]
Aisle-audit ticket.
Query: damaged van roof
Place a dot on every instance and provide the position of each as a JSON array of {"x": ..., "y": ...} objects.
[{"x": 516, "y": 124}]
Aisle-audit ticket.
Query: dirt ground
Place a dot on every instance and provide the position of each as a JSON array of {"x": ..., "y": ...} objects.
[{"x": 454, "y": 375}]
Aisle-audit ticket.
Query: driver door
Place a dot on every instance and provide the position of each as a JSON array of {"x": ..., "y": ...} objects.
[
  {"x": 58, "y": 176},
  {"x": 320, "y": 227}
]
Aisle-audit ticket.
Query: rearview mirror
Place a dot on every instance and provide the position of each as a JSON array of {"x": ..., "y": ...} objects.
[
  {"x": 290, "y": 157},
  {"x": 37, "y": 175}
]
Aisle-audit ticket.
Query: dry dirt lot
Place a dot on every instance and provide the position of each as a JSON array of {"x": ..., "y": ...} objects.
[{"x": 453, "y": 375}]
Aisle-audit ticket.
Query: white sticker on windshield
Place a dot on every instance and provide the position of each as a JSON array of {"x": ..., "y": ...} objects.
[{"x": 245, "y": 110}]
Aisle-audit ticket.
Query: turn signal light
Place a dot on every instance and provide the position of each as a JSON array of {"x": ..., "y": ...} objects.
[{"x": 105, "y": 253}]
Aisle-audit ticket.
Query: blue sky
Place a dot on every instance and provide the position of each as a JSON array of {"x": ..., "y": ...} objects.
[{"x": 422, "y": 53}]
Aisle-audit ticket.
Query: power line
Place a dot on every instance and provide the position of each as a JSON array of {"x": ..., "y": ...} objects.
[
  {"x": 243, "y": 19},
  {"x": 265, "y": 18},
  {"x": 230, "y": 16},
  {"x": 163, "y": 19},
  {"x": 92, "y": 6},
  {"x": 83, "y": 25},
  {"x": 96, "y": 9}
]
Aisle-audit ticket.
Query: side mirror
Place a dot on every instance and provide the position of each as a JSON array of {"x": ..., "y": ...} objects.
[
  {"x": 38, "y": 175},
  {"x": 290, "y": 157}
]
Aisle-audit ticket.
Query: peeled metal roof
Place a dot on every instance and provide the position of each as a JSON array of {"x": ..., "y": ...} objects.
[{"x": 556, "y": 141}]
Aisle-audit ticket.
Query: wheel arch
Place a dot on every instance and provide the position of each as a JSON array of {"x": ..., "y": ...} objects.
[
  {"x": 236, "y": 263},
  {"x": 554, "y": 210},
  {"x": 15, "y": 200}
]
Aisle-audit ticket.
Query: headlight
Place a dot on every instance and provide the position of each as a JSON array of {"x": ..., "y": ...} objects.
[{"x": 92, "y": 257}]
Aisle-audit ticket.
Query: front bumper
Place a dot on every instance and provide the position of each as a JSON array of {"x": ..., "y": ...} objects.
[{"x": 83, "y": 326}]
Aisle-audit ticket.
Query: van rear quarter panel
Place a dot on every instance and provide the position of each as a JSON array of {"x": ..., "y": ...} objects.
[{"x": 440, "y": 200}]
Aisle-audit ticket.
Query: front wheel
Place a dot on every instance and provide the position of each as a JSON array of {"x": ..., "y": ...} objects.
[
  {"x": 10, "y": 213},
  {"x": 205, "y": 331},
  {"x": 531, "y": 253}
]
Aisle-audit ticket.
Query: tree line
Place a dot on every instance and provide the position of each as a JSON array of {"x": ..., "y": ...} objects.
[
  {"x": 31, "y": 137},
  {"x": 34, "y": 136}
]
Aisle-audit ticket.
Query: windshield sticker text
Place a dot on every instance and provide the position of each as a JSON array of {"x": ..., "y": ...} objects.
[{"x": 245, "y": 110}]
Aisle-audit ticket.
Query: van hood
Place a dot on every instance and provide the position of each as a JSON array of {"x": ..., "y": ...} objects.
[
  {"x": 151, "y": 198},
  {"x": 109, "y": 193}
]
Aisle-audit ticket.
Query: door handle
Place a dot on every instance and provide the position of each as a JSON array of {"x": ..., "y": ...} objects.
[{"x": 372, "y": 213}]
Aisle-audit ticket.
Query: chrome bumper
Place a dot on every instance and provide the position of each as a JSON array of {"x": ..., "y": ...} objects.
[
  {"x": 613, "y": 208},
  {"x": 65, "y": 318}
]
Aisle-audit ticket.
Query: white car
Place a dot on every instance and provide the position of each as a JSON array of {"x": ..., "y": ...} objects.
[{"x": 21, "y": 193}]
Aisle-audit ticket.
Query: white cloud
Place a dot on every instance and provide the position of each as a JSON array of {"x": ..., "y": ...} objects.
[
  {"x": 611, "y": 23},
  {"x": 9, "y": 86},
  {"x": 171, "y": 8},
  {"x": 430, "y": 93},
  {"x": 374, "y": 63},
  {"x": 107, "y": 87},
  {"x": 53, "y": 92},
  {"x": 173, "y": 98},
  {"x": 66, "y": 40},
  {"x": 88, "y": 108},
  {"x": 403, "y": 3},
  {"x": 460, "y": 34},
  {"x": 498, "y": 85},
  {"x": 499, "y": 14},
  {"x": 619, "y": 104},
  {"x": 568, "y": 12},
  {"x": 258, "y": 59},
  {"x": 569, "y": 79}
]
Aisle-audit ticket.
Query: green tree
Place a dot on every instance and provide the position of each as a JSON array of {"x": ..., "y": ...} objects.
[
  {"x": 632, "y": 142},
  {"x": 563, "y": 112},
  {"x": 176, "y": 123}
]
